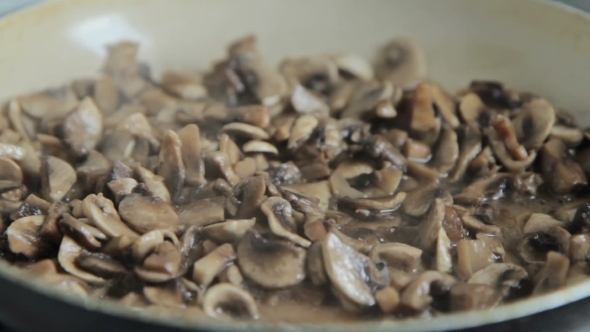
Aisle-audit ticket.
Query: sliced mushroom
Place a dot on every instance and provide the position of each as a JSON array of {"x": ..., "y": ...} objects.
[
  {"x": 571, "y": 137},
  {"x": 386, "y": 204},
  {"x": 354, "y": 65},
  {"x": 533, "y": 124},
  {"x": 503, "y": 154},
  {"x": 374, "y": 98},
  {"x": 22, "y": 236},
  {"x": 69, "y": 251},
  {"x": 154, "y": 183},
  {"x": 201, "y": 213},
  {"x": 423, "y": 114},
  {"x": 431, "y": 225},
  {"x": 82, "y": 233},
  {"x": 245, "y": 130},
  {"x": 539, "y": 222},
  {"x": 416, "y": 150},
  {"x": 473, "y": 223},
  {"x": 208, "y": 267},
  {"x": 447, "y": 152},
  {"x": 57, "y": 178},
  {"x": 82, "y": 128},
  {"x": 490, "y": 187},
  {"x": 259, "y": 146},
  {"x": 271, "y": 263},
  {"x": 189, "y": 137},
  {"x": 226, "y": 301},
  {"x": 250, "y": 192},
  {"x": 185, "y": 86},
  {"x": 229, "y": 230},
  {"x": 315, "y": 265},
  {"x": 102, "y": 214},
  {"x": 171, "y": 166},
  {"x": 388, "y": 299},
  {"x": 534, "y": 247},
  {"x": 144, "y": 214},
  {"x": 100, "y": 265},
  {"x": 31, "y": 206},
  {"x": 222, "y": 163},
  {"x": 419, "y": 200},
  {"x": 444, "y": 258},
  {"x": 579, "y": 247},
  {"x": 402, "y": 62},
  {"x": 278, "y": 211},
  {"x": 305, "y": 101},
  {"x": 417, "y": 295},
  {"x": 163, "y": 264},
  {"x": 14, "y": 152},
  {"x": 473, "y": 297},
  {"x": 469, "y": 149},
  {"x": 320, "y": 190},
  {"x": 340, "y": 187},
  {"x": 256, "y": 115},
  {"x": 10, "y": 170},
  {"x": 147, "y": 243},
  {"x": 553, "y": 274},
  {"x": 474, "y": 255},
  {"x": 302, "y": 129},
  {"x": 398, "y": 255},
  {"x": 352, "y": 274}
]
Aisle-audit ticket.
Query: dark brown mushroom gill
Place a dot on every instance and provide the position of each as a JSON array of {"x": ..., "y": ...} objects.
[{"x": 326, "y": 186}]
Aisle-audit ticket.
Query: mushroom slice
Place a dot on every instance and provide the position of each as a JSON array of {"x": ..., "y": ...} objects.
[
  {"x": 533, "y": 247},
  {"x": 31, "y": 206},
  {"x": 373, "y": 98},
  {"x": 86, "y": 235},
  {"x": 229, "y": 230},
  {"x": 222, "y": 162},
  {"x": 250, "y": 192},
  {"x": 22, "y": 236},
  {"x": 170, "y": 165},
  {"x": 354, "y": 65},
  {"x": 315, "y": 265},
  {"x": 259, "y": 146},
  {"x": 12, "y": 191},
  {"x": 10, "y": 170},
  {"x": 183, "y": 85},
  {"x": 571, "y": 137},
  {"x": 122, "y": 187},
  {"x": 473, "y": 297},
  {"x": 82, "y": 128},
  {"x": 473, "y": 223},
  {"x": 225, "y": 301},
  {"x": 474, "y": 111},
  {"x": 378, "y": 146},
  {"x": 278, "y": 211},
  {"x": 423, "y": 114},
  {"x": 166, "y": 259},
  {"x": 154, "y": 183},
  {"x": 486, "y": 188},
  {"x": 145, "y": 214},
  {"x": 190, "y": 139},
  {"x": 208, "y": 267},
  {"x": 169, "y": 295},
  {"x": 373, "y": 205},
  {"x": 14, "y": 152},
  {"x": 319, "y": 190},
  {"x": 444, "y": 258},
  {"x": 201, "y": 213},
  {"x": 474, "y": 255},
  {"x": 431, "y": 225},
  {"x": 503, "y": 154},
  {"x": 417, "y": 295},
  {"x": 305, "y": 101},
  {"x": 340, "y": 187},
  {"x": 553, "y": 275},
  {"x": 148, "y": 242},
  {"x": 468, "y": 151},
  {"x": 419, "y": 200},
  {"x": 539, "y": 222},
  {"x": 102, "y": 214},
  {"x": 69, "y": 251},
  {"x": 353, "y": 275},
  {"x": 269, "y": 262},
  {"x": 402, "y": 62},
  {"x": 533, "y": 124},
  {"x": 446, "y": 152},
  {"x": 398, "y": 255},
  {"x": 57, "y": 178},
  {"x": 256, "y": 115},
  {"x": 302, "y": 130},
  {"x": 101, "y": 265},
  {"x": 579, "y": 247},
  {"x": 245, "y": 130},
  {"x": 501, "y": 276}
]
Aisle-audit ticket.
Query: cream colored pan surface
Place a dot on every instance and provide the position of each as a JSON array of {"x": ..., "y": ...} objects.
[{"x": 528, "y": 44}]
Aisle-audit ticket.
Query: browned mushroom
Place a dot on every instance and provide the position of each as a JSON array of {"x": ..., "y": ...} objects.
[
  {"x": 419, "y": 200},
  {"x": 417, "y": 295},
  {"x": 226, "y": 301},
  {"x": 533, "y": 125},
  {"x": 402, "y": 62},
  {"x": 82, "y": 128},
  {"x": 473, "y": 297},
  {"x": 553, "y": 274},
  {"x": 144, "y": 214},
  {"x": 57, "y": 178},
  {"x": 278, "y": 211},
  {"x": 208, "y": 267},
  {"x": 269, "y": 262}
]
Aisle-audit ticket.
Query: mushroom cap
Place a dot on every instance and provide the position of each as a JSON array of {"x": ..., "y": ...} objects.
[
  {"x": 229, "y": 230},
  {"x": 533, "y": 125},
  {"x": 22, "y": 235},
  {"x": 57, "y": 178},
  {"x": 82, "y": 128},
  {"x": 397, "y": 255},
  {"x": 102, "y": 214},
  {"x": 271, "y": 263},
  {"x": 69, "y": 252},
  {"x": 417, "y": 296},
  {"x": 499, "y": 275},
  {"x": 226, "y": 301}
]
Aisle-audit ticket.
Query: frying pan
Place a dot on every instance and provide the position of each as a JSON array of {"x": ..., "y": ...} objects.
[{"x": 528, "y": 44}]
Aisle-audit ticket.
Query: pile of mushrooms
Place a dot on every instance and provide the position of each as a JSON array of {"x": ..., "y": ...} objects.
[{"x": 366, "y": 184}]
